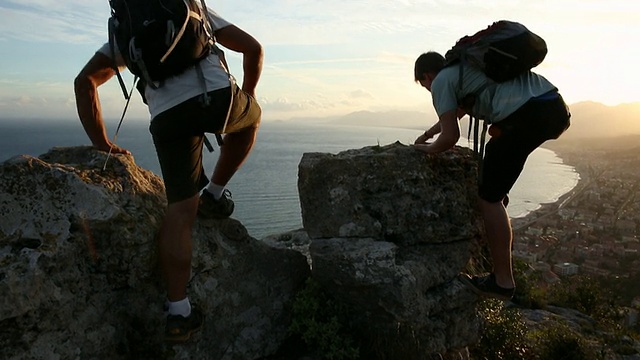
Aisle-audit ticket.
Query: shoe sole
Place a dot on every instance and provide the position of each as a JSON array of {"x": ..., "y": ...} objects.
[
  {"x": 465, "y": 280},
  {"x": 184, "y": 338},
  {"x": 212, "y": 214}
]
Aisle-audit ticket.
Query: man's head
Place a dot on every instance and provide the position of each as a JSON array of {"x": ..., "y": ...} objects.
[{"x": 427, "y": 66}]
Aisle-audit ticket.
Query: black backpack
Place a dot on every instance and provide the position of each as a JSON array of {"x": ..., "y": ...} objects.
[
  {"x": 159, "y": 38},
  {"x": 503, "y": 50}
]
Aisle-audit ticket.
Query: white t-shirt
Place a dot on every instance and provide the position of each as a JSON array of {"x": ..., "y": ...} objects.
[
  {"x": 507, "y": 97},
  {"x": 188, "y": 84}
]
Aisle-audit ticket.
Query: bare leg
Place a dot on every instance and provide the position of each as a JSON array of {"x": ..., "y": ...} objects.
[
  {"x": 233, "y": 153},
  {"x": 175, "y": 246},
  {"x": 499, "y": 238}
]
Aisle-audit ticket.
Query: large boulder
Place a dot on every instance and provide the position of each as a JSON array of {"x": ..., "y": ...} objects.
[
  {"x": 390, "y": 230},
  {"x": 79, "y": 275}
]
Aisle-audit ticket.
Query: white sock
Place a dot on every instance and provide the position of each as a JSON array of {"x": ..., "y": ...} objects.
[
  {"x": 182, "y": 307},
  {"x": 215, "y": 190}
]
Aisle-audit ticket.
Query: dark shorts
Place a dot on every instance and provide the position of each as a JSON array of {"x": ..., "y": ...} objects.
[
  {"x": 515, "y": 137},
  {"x": 178, "y": 135}
]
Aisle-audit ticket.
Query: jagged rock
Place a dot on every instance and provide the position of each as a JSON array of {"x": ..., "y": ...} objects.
[
  {"x": 538, "y": 318},
  {"x": 297, "y": 240},
  {"x": 608, "y": 341},
  {"x": 390, "y": 229},
  {"x": 78, "y": 267},
  {"x": 393, "y": 193}
]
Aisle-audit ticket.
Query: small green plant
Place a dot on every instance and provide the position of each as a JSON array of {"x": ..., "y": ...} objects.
[
  {"x": 319, "y": 320},
  {"x": 584, "y": 294},
  {"x": 504, "y": 336},
  {"x": 558, "y": 341},
  {"x": 528, "y": 292}
]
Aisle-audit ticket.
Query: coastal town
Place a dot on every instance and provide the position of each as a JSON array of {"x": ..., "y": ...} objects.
[{"x": 593, "y": 229}]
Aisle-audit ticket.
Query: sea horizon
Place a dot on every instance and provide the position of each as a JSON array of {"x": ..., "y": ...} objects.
[{"x": 265, "y": 188}]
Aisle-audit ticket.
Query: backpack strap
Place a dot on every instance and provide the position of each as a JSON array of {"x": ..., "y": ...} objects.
[
  {"x": 205, "y": 101},
  {"x": 124, "y": 111},
  {"x": 112, "y": 47},
  {"x": 479, "y": 138},
  {"x": 137, "y": 58},
  {"x": 223, "y": 62},
  {"x": 481, "y": 152},
  {"x": 208, "y": 28}
]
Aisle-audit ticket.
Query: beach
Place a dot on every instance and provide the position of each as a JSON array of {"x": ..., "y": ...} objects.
[{"x": 551, "y": 208}]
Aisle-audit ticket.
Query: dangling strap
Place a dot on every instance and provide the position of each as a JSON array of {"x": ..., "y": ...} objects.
[
  {"x": 481, "y": 152},
  {"x": 206, "y": 100},
  {"x": 474, "y": 121},
  {"x": 124, "y": 111},
  {"x": 208, "y": 27},
  {"x": 476, "y": 124},
  {"x": 111, "y": 27},
  {"x": 136, "y": 56}
]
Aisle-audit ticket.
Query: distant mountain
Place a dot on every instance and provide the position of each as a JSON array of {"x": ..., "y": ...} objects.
[
  {"x": 391, "y": 118},
  {"x": 595, "y": 120},
  {"x": 588, "y": 120}
]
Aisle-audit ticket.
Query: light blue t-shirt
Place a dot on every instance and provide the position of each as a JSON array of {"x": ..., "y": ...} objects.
[{"x": 495, "y": 102}]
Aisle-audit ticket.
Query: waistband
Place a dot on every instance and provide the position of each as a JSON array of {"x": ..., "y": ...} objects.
[{"x": 549, "y": 95}]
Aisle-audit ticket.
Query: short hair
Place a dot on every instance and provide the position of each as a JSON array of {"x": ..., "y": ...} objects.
[{"x": 428, "y": 62}]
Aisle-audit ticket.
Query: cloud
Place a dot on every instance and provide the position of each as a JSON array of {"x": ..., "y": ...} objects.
[
  {"x": 22, "y": 100},
  {"x": 360, "y": 94},
  {"x": 285, "y": 105},
  {"x": 69, "y": 21},
  {"x": 328, "y": 56}
]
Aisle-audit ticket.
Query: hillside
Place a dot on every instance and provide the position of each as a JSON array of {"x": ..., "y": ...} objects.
[
  {"x": 588, "y": 120},
  {"x": 595, "y": 120}
]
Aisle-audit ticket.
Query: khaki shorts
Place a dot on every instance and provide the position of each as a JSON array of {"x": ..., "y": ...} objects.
[{"x": 178, "y": 135}]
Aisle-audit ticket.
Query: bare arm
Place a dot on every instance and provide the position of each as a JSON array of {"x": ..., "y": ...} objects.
[
  {"x": 95, "y": 73},
  {"x": 234, "y": 38},
  {"x": 433, "y": 131},
  {"x": 449, "y": 134}
]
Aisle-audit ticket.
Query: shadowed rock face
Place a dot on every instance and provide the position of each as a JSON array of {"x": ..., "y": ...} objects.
[
  {"x": 390, "y": 229},
  {"x": 393, "y": 193},
  {"x": 78, "y": 267}
]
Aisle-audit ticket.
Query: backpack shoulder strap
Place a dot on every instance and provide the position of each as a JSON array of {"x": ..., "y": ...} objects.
[{"x": 112, "y": 48}]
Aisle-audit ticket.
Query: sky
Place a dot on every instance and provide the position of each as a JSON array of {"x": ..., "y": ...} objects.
[{"x": 327, "y": 57}]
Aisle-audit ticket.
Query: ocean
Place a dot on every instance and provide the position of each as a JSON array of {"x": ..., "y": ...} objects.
[{"x": 265, "y": 188}]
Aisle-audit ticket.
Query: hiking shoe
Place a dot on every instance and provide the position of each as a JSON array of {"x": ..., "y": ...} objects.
[
  {"x": 179, "y": 329},
  {"x": 210, "y": 208},
  {"x": 486, "y": 286}
]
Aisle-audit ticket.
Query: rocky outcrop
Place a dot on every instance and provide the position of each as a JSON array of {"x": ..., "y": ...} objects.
[
  {"x": 78, "y": 267},
  {"x": 386, "y": 230},
  {"x": 390, "y": 230}
]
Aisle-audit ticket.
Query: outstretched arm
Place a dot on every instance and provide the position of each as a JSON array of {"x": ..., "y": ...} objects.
[
  {"x": 235, "y": 39},
  {"x": 449, "y": 134},
  {"x": 433, "y": 131},
  {"x": 96, "y": 72}
]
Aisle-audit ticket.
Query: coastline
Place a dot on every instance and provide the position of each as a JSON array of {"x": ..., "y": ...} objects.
[{"x": 547, "y": 209}]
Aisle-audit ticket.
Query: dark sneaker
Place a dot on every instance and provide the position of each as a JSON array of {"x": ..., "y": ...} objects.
[
  {"x": 210, "y": 208},
  {"x": 486, "y": 286},
  {"x": 179, "y": 329}
]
